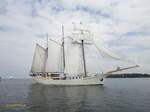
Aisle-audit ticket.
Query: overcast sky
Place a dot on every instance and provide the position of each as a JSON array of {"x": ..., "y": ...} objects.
[{"x": 121, "y": 25}]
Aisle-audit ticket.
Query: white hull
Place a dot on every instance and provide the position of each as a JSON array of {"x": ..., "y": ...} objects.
[{"x": 95, "y": 80}]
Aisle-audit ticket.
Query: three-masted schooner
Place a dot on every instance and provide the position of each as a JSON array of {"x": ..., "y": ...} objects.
[{"x": 65, "y": 63}]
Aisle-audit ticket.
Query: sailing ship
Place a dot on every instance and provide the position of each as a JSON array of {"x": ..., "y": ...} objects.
[{"x": 65, "y": 63}]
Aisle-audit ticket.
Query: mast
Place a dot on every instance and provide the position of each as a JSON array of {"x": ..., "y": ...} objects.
[
  {"x": 63, "y": 47},
  {"x": 82, "y": 44},
  {"x": 47, "y": 41},
  {"x": 45, "y": 62}
]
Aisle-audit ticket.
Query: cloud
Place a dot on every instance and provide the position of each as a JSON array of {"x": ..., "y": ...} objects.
[{"x": 123, "y": 26}]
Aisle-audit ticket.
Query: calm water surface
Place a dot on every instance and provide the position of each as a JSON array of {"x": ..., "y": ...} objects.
[{"x": 117, "y": 95}]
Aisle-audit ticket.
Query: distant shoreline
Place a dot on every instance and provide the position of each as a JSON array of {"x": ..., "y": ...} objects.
[{"x": 129, "y": 75}]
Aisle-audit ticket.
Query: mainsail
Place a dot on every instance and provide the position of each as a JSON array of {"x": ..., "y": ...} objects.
[
  {"x": 39, "y": 59},
  {"x": 74, "y": 59},
  {"x": 55, "y": 60}
]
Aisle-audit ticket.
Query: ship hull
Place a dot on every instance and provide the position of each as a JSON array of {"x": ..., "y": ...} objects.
[{"x": 83, "y": 81}]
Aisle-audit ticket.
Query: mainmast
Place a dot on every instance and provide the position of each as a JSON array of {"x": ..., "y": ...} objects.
[
  {"x": 63, "y": 47},
  {"x": 84, "y": 63}
]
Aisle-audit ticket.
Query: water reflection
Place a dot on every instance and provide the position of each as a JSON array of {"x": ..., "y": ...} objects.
[{"x": 61, "y": 98}]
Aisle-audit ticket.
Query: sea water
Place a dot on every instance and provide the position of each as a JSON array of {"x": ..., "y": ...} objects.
[{"x": 116, "y": 95}]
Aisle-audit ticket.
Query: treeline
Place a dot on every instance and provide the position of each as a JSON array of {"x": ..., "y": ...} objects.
[{"x": 129, "y": 75}]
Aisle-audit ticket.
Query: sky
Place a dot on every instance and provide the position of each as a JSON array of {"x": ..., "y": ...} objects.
[{"x": 120, "y": 25}]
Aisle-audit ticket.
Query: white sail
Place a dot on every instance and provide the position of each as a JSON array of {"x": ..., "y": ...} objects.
[
  {"x": 74, "y": 59},
  {"x": 81, "y": 32},
  {"x": 55, "y": 58},
  {"x": 107, "y": 53},
  {"x": 78, "y": 36},
  {"x": 39, "y": 59}
]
